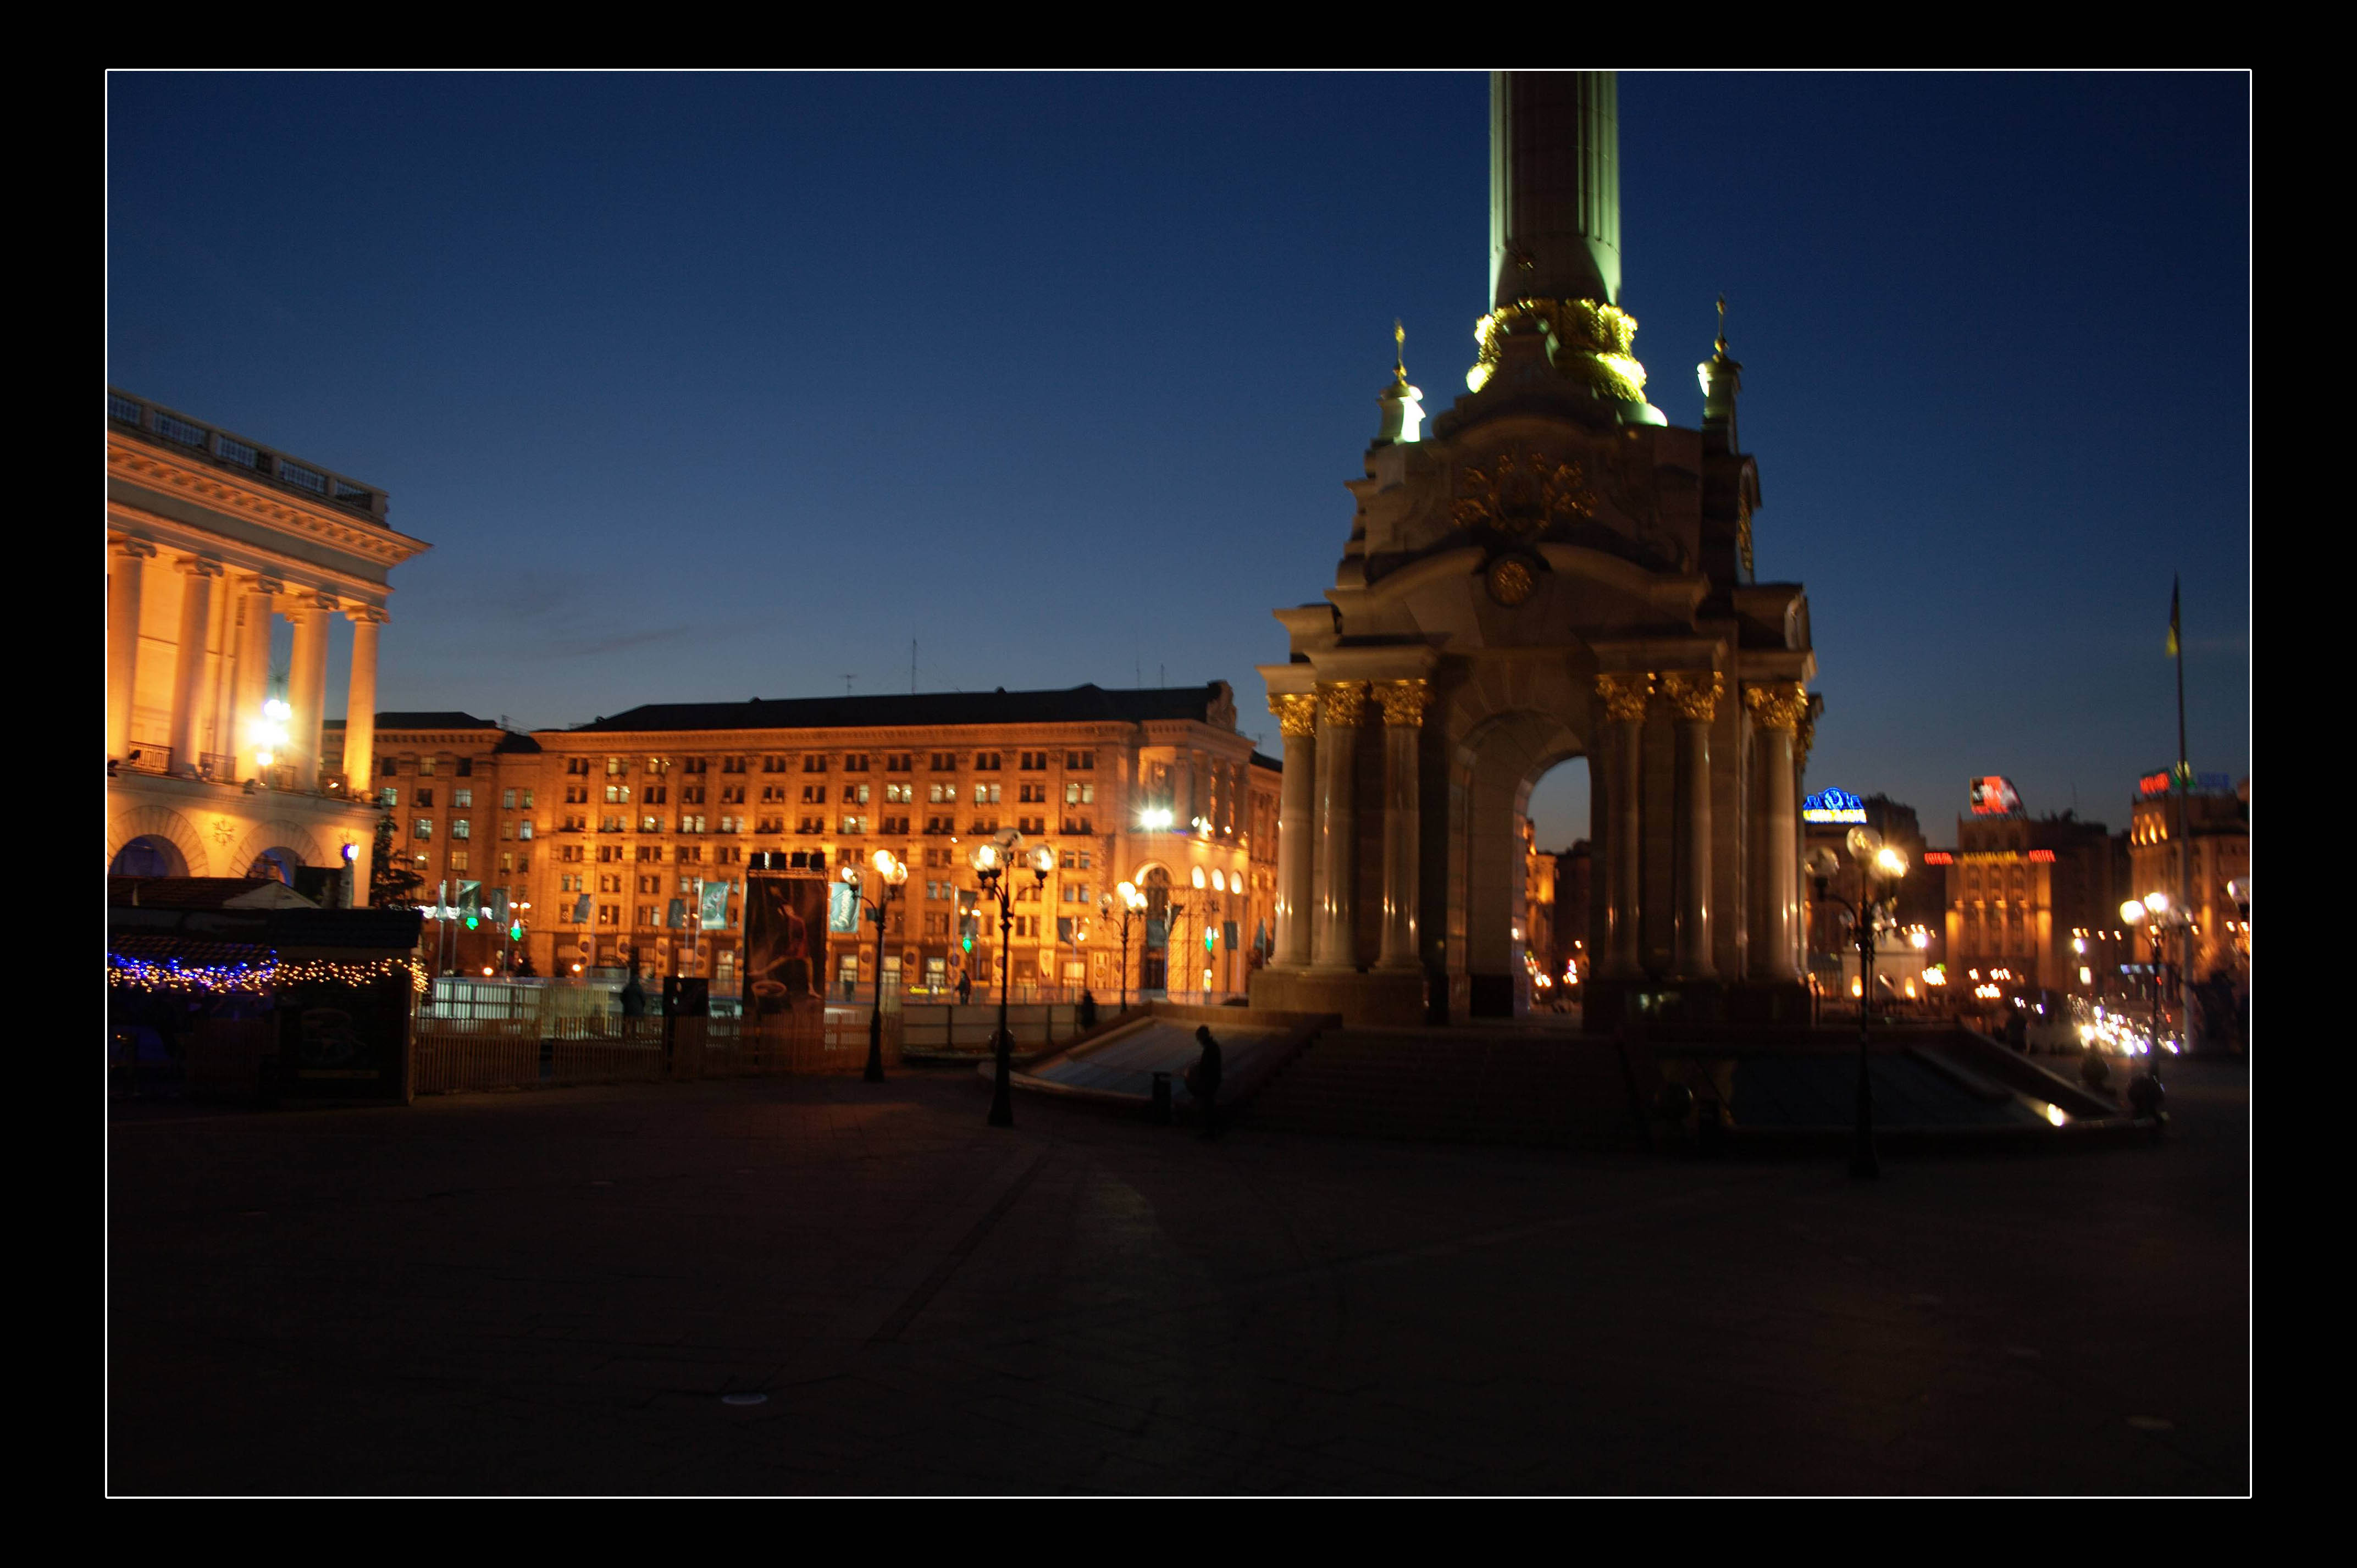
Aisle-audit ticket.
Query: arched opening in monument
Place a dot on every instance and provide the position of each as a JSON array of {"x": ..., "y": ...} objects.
[
  {"x": 277, "y": 864},
  {"x": 149, "y": 854},
  {"x": 1509, "y": 932},
  {"x": 1561, "y": 882}
]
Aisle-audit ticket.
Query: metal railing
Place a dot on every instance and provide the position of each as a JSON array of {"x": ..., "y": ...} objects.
[
  {"x": 458, "y": 1056},
  {"x": 149, "y": 756},
  {"x": 230, "y": 451}
]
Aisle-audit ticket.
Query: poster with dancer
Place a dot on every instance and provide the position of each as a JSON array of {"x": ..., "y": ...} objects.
[{"x": 785, "y": 940}]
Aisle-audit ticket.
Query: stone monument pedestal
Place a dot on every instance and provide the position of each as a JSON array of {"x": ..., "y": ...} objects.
[{"x": 1374, "y": 998}]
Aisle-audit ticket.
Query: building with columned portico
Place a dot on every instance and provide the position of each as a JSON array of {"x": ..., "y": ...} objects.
[{"x": 212, "y": 539}]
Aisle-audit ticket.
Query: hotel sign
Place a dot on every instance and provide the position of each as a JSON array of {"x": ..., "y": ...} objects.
[
  {"x": 2151, "y": 784},
  {"x": 1833, "y": 806}
]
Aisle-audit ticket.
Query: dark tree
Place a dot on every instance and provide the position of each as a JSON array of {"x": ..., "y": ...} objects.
[{"x": 391, "y": 885}]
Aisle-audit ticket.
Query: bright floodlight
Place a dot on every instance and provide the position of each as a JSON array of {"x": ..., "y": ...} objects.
[
  {"x": 1890, "y": 862},
  {"x": 2157, "y": 903},
  {"x": 985, "y": 857},
  {"x": 2132, "y": 913}
]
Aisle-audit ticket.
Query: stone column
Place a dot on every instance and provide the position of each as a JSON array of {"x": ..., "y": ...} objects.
[
  {"x": 128, "y": 562},
  {"x": 1802, "y": 738},
  {"x": 1776, "y": 710},
  {"x": 1297, "y": 826},
  {"x": 220, "y": 694},
  {"x": 1624, "y": 698},
  {"x": 251, "y": 688},
  {"x": 306, "y": 684},
  {"x": 1694, "y": 698},
  {"x": 1334, "y": 944},
  {"x": 1404, "y": 703},
  {"x": 360, "y": 706},
  {"x": 1182, "y": 790},
  {"x": 188, "y": 676}
]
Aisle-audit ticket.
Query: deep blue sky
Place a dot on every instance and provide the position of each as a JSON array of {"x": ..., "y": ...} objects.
[{"x": 715, "y": 386}]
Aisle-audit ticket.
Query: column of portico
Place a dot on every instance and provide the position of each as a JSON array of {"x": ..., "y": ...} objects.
[
  {"x": 1694, "y": 699},
  {"x": 1805, "y": 737},
  {"x": 1776, "y": 708},
  {"x": 188, "y": 676},
  {"x": 306, "y": 684},
  {"x": 123, "y": 573},
  {"x": 219, "y": 688},
  {"x": 1404, "y": 703},
  {"x": 1625, "y": 697},
  {"x": 1334, "y": 944},
  {"x": 1296, "y": 825},
  {"x": 359, "y": 707},
  {"x": 251, "y": 687}
]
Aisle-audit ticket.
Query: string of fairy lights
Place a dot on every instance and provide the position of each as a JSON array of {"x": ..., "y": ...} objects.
[{"x": 137, "y": 975}]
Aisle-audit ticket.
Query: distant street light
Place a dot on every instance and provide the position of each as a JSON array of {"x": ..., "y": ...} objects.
[
  {"x": 891, "y": 873},
  {"x": 1131, "y": 905},
  {"x": 1876, "y": 861},
  {"x": 995, "y": 865}
]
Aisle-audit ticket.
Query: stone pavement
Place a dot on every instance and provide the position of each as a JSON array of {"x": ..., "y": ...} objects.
[{"x": 552, "y": 1293}]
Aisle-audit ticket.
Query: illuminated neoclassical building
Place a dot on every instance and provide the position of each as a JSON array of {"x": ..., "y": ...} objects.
[
  {"x": 211, "y": 538},
  {"x": 1551, "y": 571}
]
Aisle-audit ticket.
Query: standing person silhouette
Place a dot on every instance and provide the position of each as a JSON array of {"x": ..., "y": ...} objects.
[{"x": 1203, "y": 1081}]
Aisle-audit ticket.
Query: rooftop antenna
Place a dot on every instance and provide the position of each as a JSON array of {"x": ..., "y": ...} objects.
[{"x": 846, "y": 685}]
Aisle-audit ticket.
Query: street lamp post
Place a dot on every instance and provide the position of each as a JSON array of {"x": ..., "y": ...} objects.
[
  {"x": 1876, "y": 861},
  {"x": 1130, "y": 905},
  {"x": 994, "y": 865},
  {"x": 2154, "y": 912},
  {"x": 891, "y": 873}
]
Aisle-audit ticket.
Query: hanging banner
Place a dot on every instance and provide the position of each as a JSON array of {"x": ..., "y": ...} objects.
[
  {"x": 715, "y": 913},
  {"x": 581, "y": 910},
  {"x": 676, "y": 915},
  {"x": 785, "y": 940},
  {"x": 842, "y": 908}
]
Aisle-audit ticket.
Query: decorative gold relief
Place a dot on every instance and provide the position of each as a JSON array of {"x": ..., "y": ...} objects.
[
  {"x": 1777, "y": 704},
  {"x": 1804, "y": 740},
  {"x": 1692, "y": 694},
  {"x": 1522, "y": 495},
  {"x": 1511, "y": 582},
  {"x": 1297, "y": 715},
  {"x": 1343, "y": 703},
  {"x": 1586, "y": 340},
  {"x": 1743, "y": 534},
  {"x": 1625, "y": 696},
  {"x": 1403, "y": 702}
]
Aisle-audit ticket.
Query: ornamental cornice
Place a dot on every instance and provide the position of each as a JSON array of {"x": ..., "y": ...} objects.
[
  {"x": 1777, "y": 704},
  {"x": 1343, "y": 704},
  {"x": 135, "y": 548},
  {"x": 376, "y": 542},
  {"x": 1625, "y": 695},
  {"x": 1297, "y": 715},
  {"x": 1403, "y": 702},
  {"x": 1694, "y": 695}
]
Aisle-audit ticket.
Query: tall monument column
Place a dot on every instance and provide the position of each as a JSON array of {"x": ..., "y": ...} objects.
[
  {"x": 1403, "y": 702},
  {"x": 1335, "y": 944},
  {"x": 1776, "y": 708},
  {"x": 1555, "y": 186},
  {"x": 251, "y": 688},
  {"x": 1624, "y": 698},
  {"x": 306, "y": 684},
  {"x": 1694, "y": 698},
  {"x": 359, "y": 707},
  {"x": 188, "y": 676},
  {"x": 1296, "y": 825},
  {"x": 130, "y": 558}
]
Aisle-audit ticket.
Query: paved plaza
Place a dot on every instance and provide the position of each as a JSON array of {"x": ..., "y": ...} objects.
[{"x": 555, "y": 1293}]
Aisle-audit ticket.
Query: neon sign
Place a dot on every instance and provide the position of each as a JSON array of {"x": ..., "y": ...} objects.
[
  {"x": 1993, "y": 796},
  {"x": 1833, "y": 806},
  {"x": 1938, "y": 857}
]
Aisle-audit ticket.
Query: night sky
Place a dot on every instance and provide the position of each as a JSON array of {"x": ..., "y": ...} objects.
[{"x": 711, "y": 387}]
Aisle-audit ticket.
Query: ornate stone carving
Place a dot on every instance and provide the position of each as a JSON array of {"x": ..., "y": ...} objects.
[
  {"x": 1511, "y": 581},
  {"x": 1777, "y": 704},
  {"x": 372, "y": 614},
  {"x": 132, "y": 549},
  {"x": 1806, "y": 738},
  {"x": 1342, "y": 703},
  {"x": 1694, "y": 694},
  {"x": 1522, "y": 496},
  {"x": 1297, "y": 715},
  {"x": 200, "y": 565},
  {"x": 1586, "y": 340},
  {"x": 1625, "y": 696},
  {"x": 1743, "y": 534},
  {"x": 1403, "y": 702}
]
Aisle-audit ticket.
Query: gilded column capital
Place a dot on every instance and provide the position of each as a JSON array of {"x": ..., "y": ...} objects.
[
  {"x": 1403, "y": 702},
  {"x": 1625, "y": 695},
  {"x": 1297, "y": 715},
  {"x": 1342, "y": 703},
  {"x": 132, "y": 549},
  {"x": 1694, "y": 694},
  {"x": 1777, "y": 704}
]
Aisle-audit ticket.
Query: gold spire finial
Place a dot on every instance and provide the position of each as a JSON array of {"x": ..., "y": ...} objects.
[
  {"x": 1722, "y": 325},
  {"x": 1399, "y": 341}
]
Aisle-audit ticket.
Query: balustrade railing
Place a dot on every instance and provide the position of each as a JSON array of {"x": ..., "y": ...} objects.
[
  {"x": 149, "y": 756},
  {"x": 248, "y": 456}
]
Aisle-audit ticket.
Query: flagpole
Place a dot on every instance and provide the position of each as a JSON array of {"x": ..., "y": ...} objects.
[{"x": 2184, "y": 844}]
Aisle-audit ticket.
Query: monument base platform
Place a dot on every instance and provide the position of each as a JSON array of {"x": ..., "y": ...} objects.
[
  {"x": 1776, "y": 1004},
  {"x": 1375, "y": 998}
]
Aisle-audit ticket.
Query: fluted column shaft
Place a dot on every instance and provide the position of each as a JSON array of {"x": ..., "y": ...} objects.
[
  {"x": 306, "y": 686},
  {"x": 1404, "y": 703},
  {"x": 123, "y": 577},
  {"x": 1335, "y": 944},
  {"x": 359, "y": 707},
  {"x": 1297, "y": 826},
  {"x": 1624, "y": 699},
  {"x": 1777, "y": 709},
  {"x": 1695, "y": 699},
  {"x": 251, "y": 688},
  {"x": 188, "y": 674}
]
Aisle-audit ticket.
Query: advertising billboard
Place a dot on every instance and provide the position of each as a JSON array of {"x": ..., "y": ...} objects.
[
  {"x": 785, "y": 940},
  {"x": 1993, "y": 796},
  {"x": 1833, "y": 806}
]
